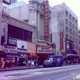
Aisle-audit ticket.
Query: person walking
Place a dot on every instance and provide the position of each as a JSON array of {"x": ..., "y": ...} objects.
[{"x": 29, "y": 64}]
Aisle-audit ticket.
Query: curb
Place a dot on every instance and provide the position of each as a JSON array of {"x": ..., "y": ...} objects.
[{"x": 11, "y": 69}]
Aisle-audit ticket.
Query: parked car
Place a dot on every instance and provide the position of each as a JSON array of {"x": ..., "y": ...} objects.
[
  {"x": 48, "y": 63},
  {"x": 53, "y": 60}
]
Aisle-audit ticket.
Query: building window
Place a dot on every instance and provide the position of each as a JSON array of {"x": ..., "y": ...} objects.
[
  {"x": 67, "y": 36},
  {"x": 73, "y": 39},
  {"x": 73, "y": 26},
  {"x": 73, "y": 19},
  {"x": 70, "y": 38},
  {"x": 79, "y": 31},
  {"x": 76, "y": 22},
  {"x": 70, "y": 16},
  {"x": 70, "y": 24},
  {"x": 79, "y": 36},
  {"x": 66, "y": 21},
  {"x": 73, "y": 32},
  {"x": 13, "y": 1},
  {"x": 76, "y": 47},
  {"x": 70, "y": 31},
  {"x": 76, "y": 34},
  {"x": 66, "y": 28},
  {"x": 76, "y": 28},
  {"x": 66, "y": 14},
  {"x": 79, "y": 49},
  {"x": 79, "y": 42},
  {"x": 76, "y": 41},
  {"x": 73, "y": 46},
  {"x": 9, "y": 1},
  {"x": 6, "y": 1},
  {"x": 19, "y": 33}
]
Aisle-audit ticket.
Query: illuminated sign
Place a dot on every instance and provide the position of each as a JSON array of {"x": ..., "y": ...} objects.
[
  {"x": 44, "y": 49},
  {"x": 46, "y": 19},
  {"x": 69, "y": 46},
  {"x": 12, "y": 42},
  {"x": 9, "y": 49},
  {"x": 61, "y": 40},
  {"x": 21, "y": 46}
]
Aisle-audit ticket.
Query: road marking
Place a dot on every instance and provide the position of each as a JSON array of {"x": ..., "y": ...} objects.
[
  {"x": 63, "y": 78},
  {"x": 5, "y": 77},
  {"x": 37, "y": 73},
  {"x": 39, "y": 69}
]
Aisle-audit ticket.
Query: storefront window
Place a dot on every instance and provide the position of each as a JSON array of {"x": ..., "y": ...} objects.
[{"x": 19, "y": 33}]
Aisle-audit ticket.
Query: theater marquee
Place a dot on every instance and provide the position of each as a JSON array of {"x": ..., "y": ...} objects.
[{"x": 44, "y": 49}]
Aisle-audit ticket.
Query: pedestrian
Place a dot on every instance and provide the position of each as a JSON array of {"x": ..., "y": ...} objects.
[
  {"x": 32, "y": 63},
  {"x": 13, "y": 62},
  {"x": 2, "y": 63},
  {"x": 29, "y": 63},
  {"x": 35, "y": 63}
]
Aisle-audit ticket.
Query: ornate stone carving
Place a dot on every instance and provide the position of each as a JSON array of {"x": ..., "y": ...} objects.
[
  {"x": 34, "y": 37},
  {"x": 5, "y": 31}
]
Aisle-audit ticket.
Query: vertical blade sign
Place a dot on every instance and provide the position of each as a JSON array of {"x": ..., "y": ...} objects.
[
  {"x": 61, "y": 40},
  {"x": 46, "y": 19}
]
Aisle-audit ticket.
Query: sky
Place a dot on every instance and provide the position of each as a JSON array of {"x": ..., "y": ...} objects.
[{"x": 74, "y": 5}]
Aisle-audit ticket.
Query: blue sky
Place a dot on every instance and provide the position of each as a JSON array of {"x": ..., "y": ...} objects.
[{"x": 73, "y": 4}]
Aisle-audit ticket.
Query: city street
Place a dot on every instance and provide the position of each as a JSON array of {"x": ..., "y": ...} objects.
[{"x": 54, "y": 73}]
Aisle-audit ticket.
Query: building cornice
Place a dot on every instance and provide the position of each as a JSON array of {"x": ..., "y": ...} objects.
[{"x": 15, "y": 22}]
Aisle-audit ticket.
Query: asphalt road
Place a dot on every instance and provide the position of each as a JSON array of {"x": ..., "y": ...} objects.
[{"x": 53, "y": 73}]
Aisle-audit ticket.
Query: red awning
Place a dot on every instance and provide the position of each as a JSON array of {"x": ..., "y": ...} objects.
[{"x": 78, "y": 53}]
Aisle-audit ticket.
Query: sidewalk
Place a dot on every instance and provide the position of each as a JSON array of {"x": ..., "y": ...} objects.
[{"x": 19, "y": 68}]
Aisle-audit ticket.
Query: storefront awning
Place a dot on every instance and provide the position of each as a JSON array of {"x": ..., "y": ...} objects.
[
  {"x": 74, "y": 52},
  {"x": 71, "y": 54},
  {"x": 23, "y": 53},
  {"x": 11, "y": 54},
  {"x": 78, "y": 53},
  {"x": 32, "y": 54}
]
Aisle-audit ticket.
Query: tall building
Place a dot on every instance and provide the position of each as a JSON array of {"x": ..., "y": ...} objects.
[
  {"x": 79, "y": 37},
  {"x": 62, "y": 28},
  {"x": 16, "y": 36},
  {"x": 36, "y": 13},
  {"x": 33, "y": 15},
  {"x": 64, "y": 24}
]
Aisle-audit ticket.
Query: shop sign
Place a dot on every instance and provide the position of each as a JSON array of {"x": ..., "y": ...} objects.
[
  {"x": 46, "y": 19},
  {"x": 21, "y": 46},
  {"x": 61, "y": 40},
  {"x": 44, "y": 49},
  {"x": 31, "y": 47},
  {"x": 12, "y": 42},
  {"x": 10, "y": 49},
  {"x": 69, "y": 46}
]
